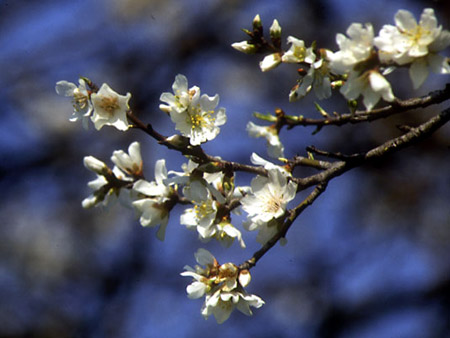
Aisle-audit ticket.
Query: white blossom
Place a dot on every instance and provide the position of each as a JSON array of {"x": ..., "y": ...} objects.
[
  {"x": 200, "y": 121},
  {"x": 194, "y": 116},
  {"x": 95, "y": 165},
  {"x": 203, "y": 214},
  {"x": 297, "y": 52},
  {"x": 270, "y": 196},
  {"x": 201, "y": 283},
  {"x": 82, "y": 106},
  {"x": 371, "y": 84},
  {"x": 202, "y": 217},
  {"x": 181, "y": 98},
  {"x": 317, "y": 78},
  {"x": 355, "y": 48},
  {"x": 220, "y": 304},
  {"x": 258, "y": 160},
  {"x": 275, "y": 148},
  {"x": 415, "y": 43},
  {"x": 408, "y": 39},
  {"x": 275, "y": 30},
  {"x": 222, "y": 285},
  {"x": 267, "y": 202},
  {"x": 153, "y": 208},
  {"x": 104, "y": 193},
  {"x": 130, "y": 163},
  {"x": 110, "y": 108},
  {"x": 153, "y": 212}
]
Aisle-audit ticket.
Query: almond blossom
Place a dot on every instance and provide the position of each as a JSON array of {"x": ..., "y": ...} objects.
[
  {"x": 222, "y": 285},
  {"x": 194, "y": 116},
  {"x": 107, "y": 187},
  {"x": 356, "y": 59},
  {"x": 317, "y": 78},
  {"x": 154, "y": 204},
  {"x": 355, "y": 48},
  {"x": 275, "y": 148},
  {"x": 82, "y": 106},
  {"x": 297, "y": 52},
  {"x": 371, "y": 85},
  {"x": 203, "y": 216},
  {"x": 415, "y": 43},
  {"x": 130, "y": 163},
  {"x": 110, "y": 108},
  {"x": 181, "y": 98},
  {"x": 266, "y": 204}
]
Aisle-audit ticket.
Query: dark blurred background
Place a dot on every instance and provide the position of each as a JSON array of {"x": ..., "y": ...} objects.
[{"x": 369, "y": 259}]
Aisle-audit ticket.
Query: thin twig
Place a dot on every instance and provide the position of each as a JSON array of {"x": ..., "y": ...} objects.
[
  {"x": 195, "y": 152},
  {"x": 407, "y": 139},
  {"x": 322, "y": 179},
  {"x": 398, "y": 106}
]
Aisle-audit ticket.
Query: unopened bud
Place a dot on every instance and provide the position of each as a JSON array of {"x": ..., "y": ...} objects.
[
  {"x": 178, "y": 141},
  {"x": 244, "y": 47},
  {"x": 270, "y": 61},
  {"x": 95, "y": 165},
  {"x": 275, "y": 30},
  {"x": 89, "y": 202},
  {"x": 244, "y": 278},
  {"x": 257, "y": 25}
]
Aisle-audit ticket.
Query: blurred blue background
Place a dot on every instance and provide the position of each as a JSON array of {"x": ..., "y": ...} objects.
[{"x": 369, "y": 259}]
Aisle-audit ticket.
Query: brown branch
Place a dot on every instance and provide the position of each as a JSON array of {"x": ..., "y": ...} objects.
[
  {"x": 309, "y": 162},
  {"x": 195, "y": 152},
  {"x": 322, "y": 179},
  {"x": 407, "y": 139},
  {"x": 398, "y": 106}
]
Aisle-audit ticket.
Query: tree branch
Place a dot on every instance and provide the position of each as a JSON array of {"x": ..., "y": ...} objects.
[
  {"x": 195, "y": 152},
  {"x": 355, "y": 160},
  {"x": 398, "y": 106},
  {"x": 335, "y": 169}
]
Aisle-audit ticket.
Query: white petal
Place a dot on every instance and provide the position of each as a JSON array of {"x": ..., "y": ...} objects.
[
  {"x": 160, "y": 171},
  {"x": 379, "y": 84},
  {"x": 135, "y": 152},
  {"x": 204, "y": 257},
  {"x": 65, "y": 88},
  {"x": 418, "y": 72},
  {"x": 196, "y": 290},
  {"x": 270, "y": 62},
  {"x": 405, "y": 20}
]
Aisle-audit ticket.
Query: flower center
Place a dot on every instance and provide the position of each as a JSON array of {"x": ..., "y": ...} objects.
[
  {"x": 199, "y": 119},
  {"x": 273, "y": 205},
  {"x": 80, "y": 101},
  {"x": 203, "y": 209},
  {"x": 109, "y": 104}
]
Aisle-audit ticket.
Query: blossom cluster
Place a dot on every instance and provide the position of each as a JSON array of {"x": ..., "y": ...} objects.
[
  {"x": 205, "y": 185},
  {"x": 222, "y": 285},
  {"x": 194, "y": 115},
  {"x": 363, "y": 59},
  {"x": 102, "y": 107},
  {"x": 208, "y": 191}
]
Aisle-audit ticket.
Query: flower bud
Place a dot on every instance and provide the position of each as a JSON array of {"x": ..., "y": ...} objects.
[
  {"x": 244, "y": 47},
  {"x": 178, "y": 141},
  {"x": 89, "y": 202},
  {"x": 270, "y": 61},
  {"x": 257, "y": 25},
  {"x": 244, "y": 278},
  {"x": 275, "y": 30},
  {"x": 95, "y": 165}
]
